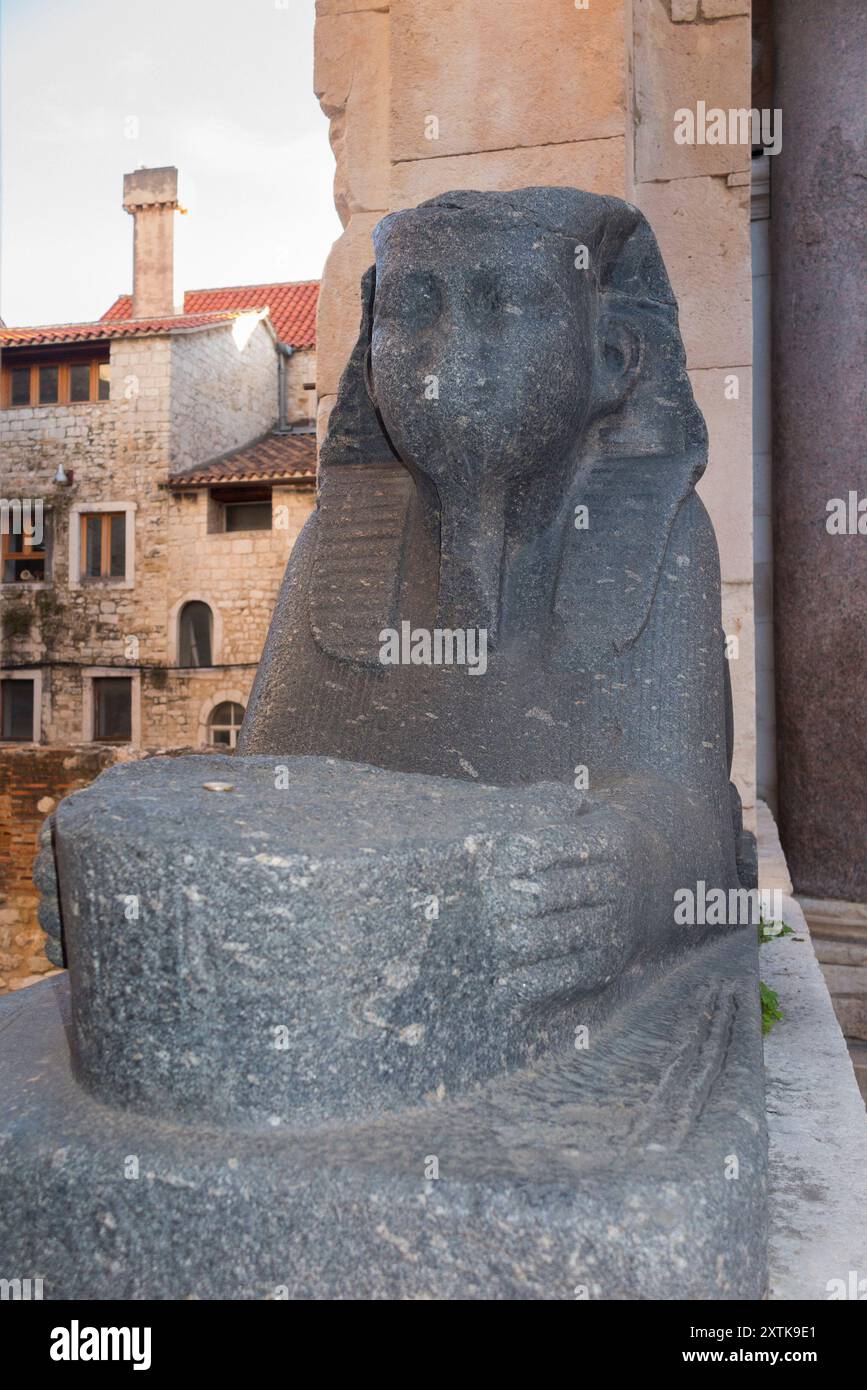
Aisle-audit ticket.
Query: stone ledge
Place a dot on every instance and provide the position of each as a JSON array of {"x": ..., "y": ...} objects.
[{"x": 816, "y": 1123}]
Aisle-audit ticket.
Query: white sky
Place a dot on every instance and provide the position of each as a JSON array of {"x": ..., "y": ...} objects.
[{"x": 221, "y": 88}]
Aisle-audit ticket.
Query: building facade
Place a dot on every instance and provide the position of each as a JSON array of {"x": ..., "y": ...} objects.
[{"x": 155, "y": 469}]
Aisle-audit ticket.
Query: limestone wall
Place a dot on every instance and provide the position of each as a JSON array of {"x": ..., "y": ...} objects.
[
  {"x": 32, "y": 781},
  {"x": 238, "y": 576},
  {"x": 301, "y": 387},
  {"x": 116, "y": 451},
  {"x": 185, "y": 398},
  {"x": 223, "y": 389},
  {"x": 430, "y": 95}
]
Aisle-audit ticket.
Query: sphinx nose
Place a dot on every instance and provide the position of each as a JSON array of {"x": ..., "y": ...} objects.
[{"x": 465, "y": 357}]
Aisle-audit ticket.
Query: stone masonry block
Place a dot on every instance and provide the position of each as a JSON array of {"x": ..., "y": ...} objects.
[
  {"x": 703, "y": 231},
  {"x": 676, "y": 66},
  {"x": 501, "y": 74}
]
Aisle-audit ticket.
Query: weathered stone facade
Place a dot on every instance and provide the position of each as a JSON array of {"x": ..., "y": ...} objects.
[
  {"x": 178, "y": 399},
  {"x": 32, "y": 781},
  {"x": 425, "y": 96},
  {"x": 175, "y": 401}
]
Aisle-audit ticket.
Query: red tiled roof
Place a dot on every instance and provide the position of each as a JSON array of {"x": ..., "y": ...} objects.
[
  {"x": 272, "y": 458},
  {"x": 117, "y": 328},
  {"x": 292, "y": 307}
]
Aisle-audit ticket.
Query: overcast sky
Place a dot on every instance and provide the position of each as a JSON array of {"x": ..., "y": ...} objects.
[{"x": 221, "y": 88}]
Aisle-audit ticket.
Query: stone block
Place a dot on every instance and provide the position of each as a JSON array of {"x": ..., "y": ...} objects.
[
  {"x": 339, "y": 311},
  {"x": 501, "y": 74},
  {"x": 726, "y": 487},
  {"x": 703, "y": 231},
  {"x": 848, "y": 988},
  {"x": 323, "y": 414},
  {"x": 595, "y": 165},
  {"x": 676, "y": 66},
  {"x": 721, "y": 9},
  {"x": 601, "y": 1168},
  {"x": 337, "y": 7},
  {"x": 351, "y": 80},
  {"x": 818, "y": 1139},
  {"x": 737, "y": 613}
]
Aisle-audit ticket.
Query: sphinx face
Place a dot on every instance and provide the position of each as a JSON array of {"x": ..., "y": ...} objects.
[{"x": 482, "y": 347}]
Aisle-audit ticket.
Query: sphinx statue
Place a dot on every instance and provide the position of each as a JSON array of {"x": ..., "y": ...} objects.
[
  {"x": 513, "y": 453},
  {"x": 406, "y": 1005}
]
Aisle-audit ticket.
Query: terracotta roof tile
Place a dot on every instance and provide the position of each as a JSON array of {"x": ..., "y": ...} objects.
[
  {"x": 116, "y": 328},
  {"x": 292, "y": 306},
  {"x": 272, "y": 458}
]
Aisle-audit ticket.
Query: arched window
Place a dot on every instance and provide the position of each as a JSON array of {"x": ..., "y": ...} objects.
[
  {"x": 195, "y": 628},
  {"x": 225, "y": 723}
]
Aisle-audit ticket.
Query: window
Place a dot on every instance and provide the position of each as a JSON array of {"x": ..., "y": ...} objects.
[
  {"x": 240, "y": 508},
  {"x": 103, "y": 545},
  {"x": 19, "y": 393},
  {"x": 225, "y": 723},
  {"x": 17, "y": 710},
  {"x": 79, "y": 382},
  {"x": 24, "y": 561},
  {"x": 112, "y": 709},
  {"x": 57, "y": 383},
  {"x": 195, "y": 635},
  {"x": 248, "y": 516},
  {"x": 49, "y": 385}
]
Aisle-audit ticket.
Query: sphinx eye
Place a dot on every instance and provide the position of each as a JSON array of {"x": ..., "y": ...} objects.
[{"x": 413, "y": 300}]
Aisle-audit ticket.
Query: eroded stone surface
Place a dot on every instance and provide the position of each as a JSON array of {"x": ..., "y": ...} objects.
[
  {"x": 342, "y": 940},
  {"x": 599, "y": 1174}
]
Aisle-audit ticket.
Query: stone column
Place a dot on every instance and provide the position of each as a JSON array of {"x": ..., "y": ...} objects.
[{"x": 818, "y": 242}]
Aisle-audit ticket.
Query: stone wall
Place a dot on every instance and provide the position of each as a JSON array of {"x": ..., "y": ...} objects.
[
  {"x": 238, "y": 576},
  {"x": 32, "y": 781},
  {"x": 180, "y": 399},
  {"x": 430, "y": 95},
  {"x": 301, "y": 400},
  {"x": 184, "y": 398},
  {"x": 116, "y": 452},
  {"x": 223, "y": 389}
]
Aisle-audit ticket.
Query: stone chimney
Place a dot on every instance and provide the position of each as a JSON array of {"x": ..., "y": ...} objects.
[{"x": 151, "y": 195}]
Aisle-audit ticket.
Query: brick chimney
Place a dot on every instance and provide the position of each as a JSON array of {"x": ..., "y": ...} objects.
[{"x": 151, "y": 195}]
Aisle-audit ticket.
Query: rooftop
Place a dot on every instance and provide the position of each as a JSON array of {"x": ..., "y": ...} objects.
[
  {"x": 270, "y": 459},
  {"x": 117, "y": 328},
  {"x": 292, "y": 306}
]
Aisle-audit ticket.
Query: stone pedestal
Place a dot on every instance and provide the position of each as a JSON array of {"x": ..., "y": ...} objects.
[{"x": 316, "y": 1064}]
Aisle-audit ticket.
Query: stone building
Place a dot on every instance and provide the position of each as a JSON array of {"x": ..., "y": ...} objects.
[{"x": 156, "y": 467}]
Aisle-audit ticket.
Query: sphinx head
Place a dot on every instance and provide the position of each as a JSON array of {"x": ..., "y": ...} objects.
[{"x": 505, "y": 325}]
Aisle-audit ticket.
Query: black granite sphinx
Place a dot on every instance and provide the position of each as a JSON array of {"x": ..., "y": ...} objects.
[
  {"x": 513, "y": 453},
  {"x": 489, "y": 741}
]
